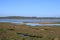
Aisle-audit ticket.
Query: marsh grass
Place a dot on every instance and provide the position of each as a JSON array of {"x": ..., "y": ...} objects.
[{"x": 8, "y": 31}]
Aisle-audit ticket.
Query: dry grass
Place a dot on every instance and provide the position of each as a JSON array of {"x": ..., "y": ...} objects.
[{"x": 10, "y": 31}]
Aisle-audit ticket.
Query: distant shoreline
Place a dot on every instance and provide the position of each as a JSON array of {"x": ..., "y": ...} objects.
[{"x": 22, "y": 17}]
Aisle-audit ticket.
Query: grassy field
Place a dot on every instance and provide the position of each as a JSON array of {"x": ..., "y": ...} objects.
[{"x": 9, "y": 31}]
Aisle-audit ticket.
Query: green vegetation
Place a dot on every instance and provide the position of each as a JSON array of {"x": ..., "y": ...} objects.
[
  {"x": 23, "y": 17},
  {"x": 9, "y": 31}
]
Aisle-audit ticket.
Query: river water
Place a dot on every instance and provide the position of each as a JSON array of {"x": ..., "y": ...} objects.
[{"x": 20, "y": 21}]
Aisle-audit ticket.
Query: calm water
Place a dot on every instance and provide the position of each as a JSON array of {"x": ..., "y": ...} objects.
[
  {"x": 33, "y": 24},
  {"x": 20, "y": 21},
  {"x": 28, "y": 20}
]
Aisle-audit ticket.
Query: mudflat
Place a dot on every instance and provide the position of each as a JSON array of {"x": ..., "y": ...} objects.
[{"x": 47, "y": 22}]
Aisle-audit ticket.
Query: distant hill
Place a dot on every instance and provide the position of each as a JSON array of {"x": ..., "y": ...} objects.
[{"x": 22, "y": 17}]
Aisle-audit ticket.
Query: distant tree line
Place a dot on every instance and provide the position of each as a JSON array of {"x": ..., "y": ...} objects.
[{"x": 22, "y": 17}]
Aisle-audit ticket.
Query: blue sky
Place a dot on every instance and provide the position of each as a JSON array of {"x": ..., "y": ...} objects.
[{"x": 39, "y": 8}]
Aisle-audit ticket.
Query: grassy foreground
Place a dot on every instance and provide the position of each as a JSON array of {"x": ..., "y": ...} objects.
[{"x": 9, "y": 31}]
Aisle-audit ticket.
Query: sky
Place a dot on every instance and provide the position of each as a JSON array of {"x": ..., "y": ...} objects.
[{"x": 38, "y": 8}]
